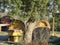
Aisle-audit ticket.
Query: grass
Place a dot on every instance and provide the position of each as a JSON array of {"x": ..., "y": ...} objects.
[{"x": 3, "y": 33}]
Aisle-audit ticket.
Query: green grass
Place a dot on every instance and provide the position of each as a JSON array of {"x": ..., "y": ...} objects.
[
  {"x": 3, "y": 33},
  {"x": 57, "y": 32}
]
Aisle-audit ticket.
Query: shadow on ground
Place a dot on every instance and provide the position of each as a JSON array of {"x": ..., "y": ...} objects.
[
  {"x": 54, "y": 40},
  {"x": 3, "y": 37}
]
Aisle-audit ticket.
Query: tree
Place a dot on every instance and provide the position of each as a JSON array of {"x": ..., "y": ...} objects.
[{"x": 27, "y": 8}]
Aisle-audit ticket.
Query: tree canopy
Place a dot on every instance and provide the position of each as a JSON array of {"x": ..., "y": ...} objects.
[
  {"x": 27, "y": 8},
  {"x": 24, "y": 9}
]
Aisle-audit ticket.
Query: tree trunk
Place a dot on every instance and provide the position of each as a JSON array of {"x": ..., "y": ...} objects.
[
  {"x": 53, "y": 26},
  {"x": 28, "y": 33}
]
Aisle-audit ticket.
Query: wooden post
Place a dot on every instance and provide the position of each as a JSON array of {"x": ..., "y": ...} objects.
[
  {"x": 53, "y": 26},
  {"x": 0, "y": 28}
]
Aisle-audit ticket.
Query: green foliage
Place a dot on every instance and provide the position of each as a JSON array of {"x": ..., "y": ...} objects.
[
  {"x": 0, "y": 1},
  {"x": 57, "y": 2},
  {"x": 27, "y": 8}
]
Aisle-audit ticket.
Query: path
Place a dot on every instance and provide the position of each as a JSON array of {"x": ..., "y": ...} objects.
[
  {"x": 4, "y": 39},
  {"x": 57, "y": 34}
]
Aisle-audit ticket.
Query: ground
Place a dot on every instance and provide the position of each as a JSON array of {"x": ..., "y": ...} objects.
[
  {"x": 4, "y": 36},
  {"x": 55, "y": 38}
]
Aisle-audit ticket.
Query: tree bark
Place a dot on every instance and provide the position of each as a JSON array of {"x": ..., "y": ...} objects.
[{"x": 28, "y": 34}]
